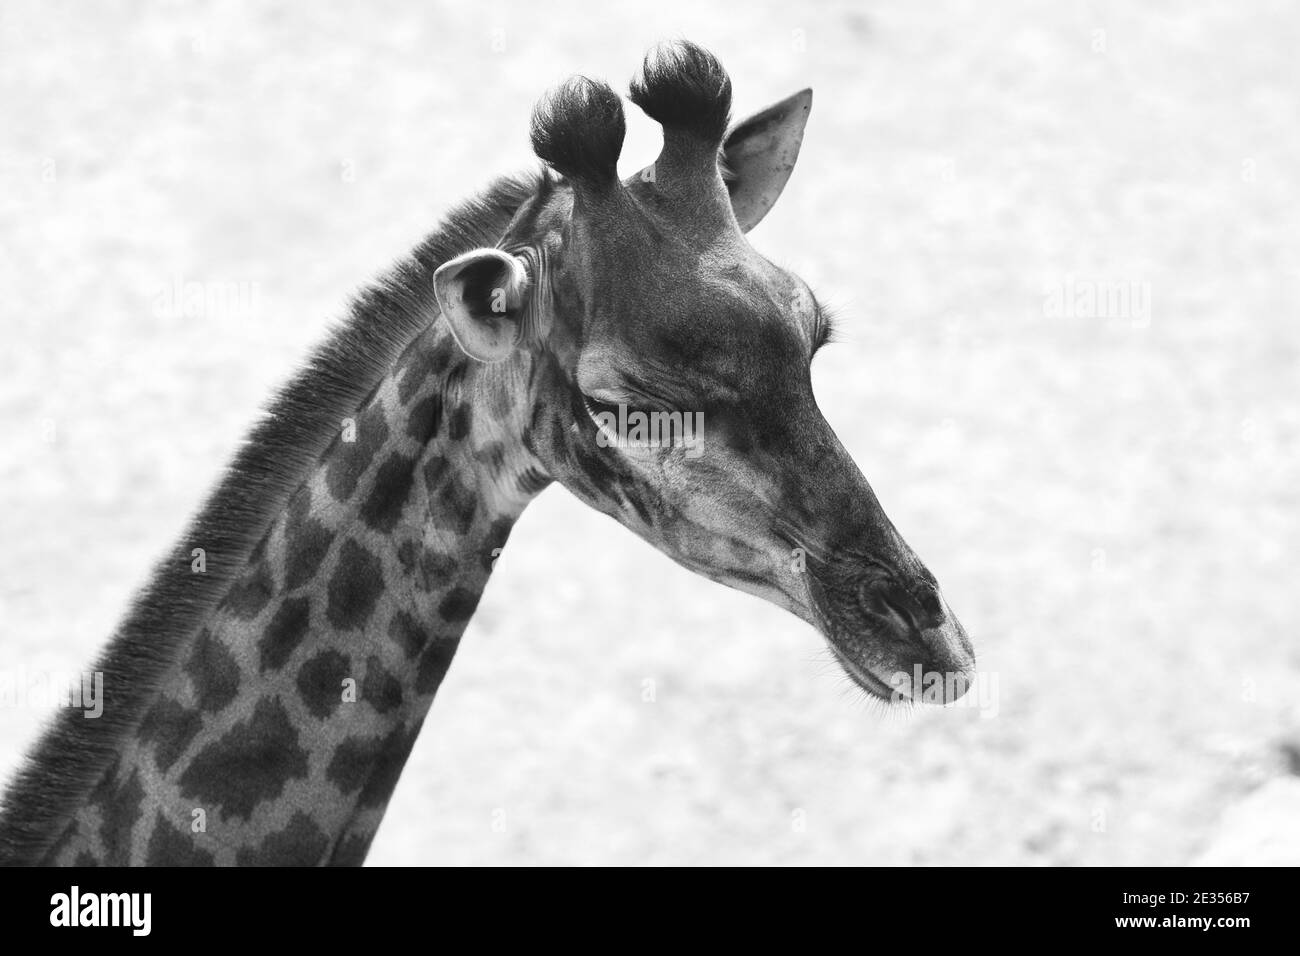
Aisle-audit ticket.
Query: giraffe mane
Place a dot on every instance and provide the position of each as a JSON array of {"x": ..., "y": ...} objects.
[{"x": 73, "y": 752}]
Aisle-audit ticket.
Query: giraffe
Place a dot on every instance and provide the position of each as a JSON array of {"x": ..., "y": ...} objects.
[{"x": 265, "y": 689}]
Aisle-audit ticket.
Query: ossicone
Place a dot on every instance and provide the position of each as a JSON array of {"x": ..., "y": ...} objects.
[
  {"x": 685, "y": 89},
  {"x": 578, "y": 129}
]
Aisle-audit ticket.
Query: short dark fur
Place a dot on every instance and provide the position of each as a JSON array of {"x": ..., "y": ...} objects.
[
  {"x": 684, "y": 88},
  {"x": 578, "y": 129},
  {"x": 74, "y": 753}
]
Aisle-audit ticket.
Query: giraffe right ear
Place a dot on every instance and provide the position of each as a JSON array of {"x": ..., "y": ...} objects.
[
  {"x": 483, "y": 294},
  {"x": 759, "y": 154}
]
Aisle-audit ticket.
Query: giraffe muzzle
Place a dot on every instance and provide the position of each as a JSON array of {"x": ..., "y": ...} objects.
[{"x": 895, "y": 642}]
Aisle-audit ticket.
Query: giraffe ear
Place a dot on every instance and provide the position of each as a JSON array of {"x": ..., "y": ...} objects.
[
  {"x": 758, "y": 156},
  {"x": 482, "y": 294}
]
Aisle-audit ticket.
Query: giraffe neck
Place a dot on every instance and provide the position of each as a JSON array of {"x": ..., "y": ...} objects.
[{"x": 280, "y": 731}]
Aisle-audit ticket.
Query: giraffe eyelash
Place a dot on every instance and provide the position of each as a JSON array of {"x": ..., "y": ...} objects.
[
  {"x": 826, "y": 329},
  {"x": 595, "y": 407}
]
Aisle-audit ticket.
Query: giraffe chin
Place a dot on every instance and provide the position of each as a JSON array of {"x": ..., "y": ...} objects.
[{"x": 866, "y": 680}]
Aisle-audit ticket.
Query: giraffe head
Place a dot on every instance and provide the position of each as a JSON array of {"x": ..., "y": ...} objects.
[{"x": 669, "y": 366}]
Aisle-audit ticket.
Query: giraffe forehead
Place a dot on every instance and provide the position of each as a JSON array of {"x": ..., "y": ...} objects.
[
  {"x": 667, "y": 280},
  {"x": 653, "y": 234},
  {"x": 726, "y": 331}
]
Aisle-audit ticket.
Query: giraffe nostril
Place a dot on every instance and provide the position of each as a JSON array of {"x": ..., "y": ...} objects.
[{"x": 887, "y": 604}]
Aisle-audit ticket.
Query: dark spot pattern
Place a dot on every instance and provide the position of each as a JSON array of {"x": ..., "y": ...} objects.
[
  {"x": 393, "y": 753},
  {"x": 502, "y": 402},
  {"x": 350, "y": 459},
  {"x": 389, "y": 493},
  {"x": 499, "y": 531},
  {"x": 300, "y": 843},
  {"x": 321, "y": 682},
  {"x": 426, "y": 417},
  {"x": 170, "y": 727},
  {"x": 434, "y": 663},
  {"x": 169, "y": 846},
  {"x": 285, "y": 632},
  {"x": 407, "y": 633},
  {"x": 492, "y": 457},
  {"x": 408, "y": 553},
  {"x": 596, "y": 468},
  {"x": 251, "y": 763},
  {"x": 459, "y": 422},
  {"x": 459, "y": 604},
  {"x": 353, "y": 850},
  {"x": 371, "y": 765},
  {"x": 413, "y": 370},
  {"x": 421, "y": 363},
  {"x": 250, "y": 593},
  {"x": 435, "y": 570},
  {"x": 104, "y": 789},
  {"x": 118, "y": 819},
  {"x": 306, "y": 542},
  {"x": 351, "y": 762},
  {"x": 459, "y": 505},
  {"x": 380, "y": 688},
  {"x": 356, "y": 584},
  {"x": 434, "y": 470},
  {"x": 214, "y": 673}
]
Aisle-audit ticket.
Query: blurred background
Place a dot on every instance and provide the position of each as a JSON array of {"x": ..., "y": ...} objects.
[{"x": 1064, "y": 246}]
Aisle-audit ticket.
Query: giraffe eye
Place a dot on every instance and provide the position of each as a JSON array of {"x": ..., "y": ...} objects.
[
  {"x": 595, "y": 407},
  {"x": 618, "y": 408},
  {"x": 612, "y": 406}
]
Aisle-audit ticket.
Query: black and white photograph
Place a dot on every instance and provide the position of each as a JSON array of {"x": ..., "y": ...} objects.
[{"x": 781, "y": 434}]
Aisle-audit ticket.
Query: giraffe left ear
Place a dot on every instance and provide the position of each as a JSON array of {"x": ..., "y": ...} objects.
[
  {"x": 759, "y": 154},
  {"x": 483, "y": 294}
]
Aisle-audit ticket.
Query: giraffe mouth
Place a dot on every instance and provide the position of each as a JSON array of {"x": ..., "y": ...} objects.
[
  {"x": 863, "y": 677},
  {"x": 860, "y": 674},
  {"x": 888, "y": 652}
]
